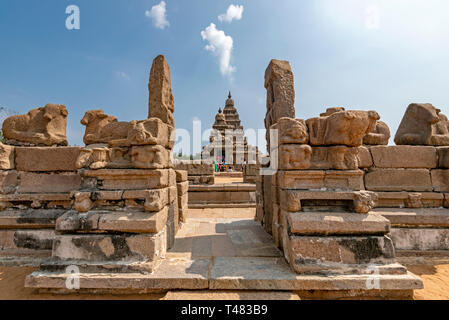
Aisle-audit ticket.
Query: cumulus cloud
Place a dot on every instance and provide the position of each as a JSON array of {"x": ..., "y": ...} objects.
[
  {"x": 220, "y": 45},
  {"x": 234, "y": 12},
  {"x": 158, "y": 14}
]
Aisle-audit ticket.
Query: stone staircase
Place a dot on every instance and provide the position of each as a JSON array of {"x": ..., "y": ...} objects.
[{"x": 222, "y": 195}]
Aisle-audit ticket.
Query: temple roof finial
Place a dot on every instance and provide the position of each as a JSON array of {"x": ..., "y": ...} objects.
[
  {"x": 219, "y": 110},
  {"x": 229, "y": 95}
]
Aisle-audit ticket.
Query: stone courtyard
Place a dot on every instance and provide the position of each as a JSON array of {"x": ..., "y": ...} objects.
[{"x": 342, "y": 215}]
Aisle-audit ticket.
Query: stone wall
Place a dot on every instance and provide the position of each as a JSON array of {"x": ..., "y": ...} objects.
[
  {"x": 113, "y": 205},
  {"x": 198, "y": 172},
  {"x": 318, "y": 205}
]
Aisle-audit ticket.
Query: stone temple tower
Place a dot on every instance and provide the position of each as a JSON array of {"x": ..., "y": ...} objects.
[
  {"x": 231, "y": 115},
  {"x": 227, "y": 122}
]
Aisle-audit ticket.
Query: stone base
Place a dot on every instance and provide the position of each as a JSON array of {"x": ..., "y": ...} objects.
[
  {"x": 339, "y": 255},
  {"x": 418, "y": 229},
  {"x": 142, "y": 250},
  {"x": 425, "y": 239},
  {"x": 231, "y": 273},
  {"x": 26, "y": 236},
  {"x": 410, "y": 200}
]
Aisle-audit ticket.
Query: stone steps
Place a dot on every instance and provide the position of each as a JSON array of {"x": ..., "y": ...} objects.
[
  {"x": 225, "y": 273},
  {"x": 226, "y": 195},
  {"x": 418, "y": 228}
]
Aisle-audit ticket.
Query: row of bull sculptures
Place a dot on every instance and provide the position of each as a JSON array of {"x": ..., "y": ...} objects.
[
  {"x": 46, "y": 126},
  {"x": 422, "y": 124}
]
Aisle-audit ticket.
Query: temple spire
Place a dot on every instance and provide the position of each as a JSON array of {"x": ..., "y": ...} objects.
[{"x": 229, "y": 95}]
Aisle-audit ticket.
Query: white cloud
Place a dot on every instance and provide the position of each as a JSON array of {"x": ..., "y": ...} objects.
[
  {"x": 159, "y": 15},
  {"x": 123, "y": 75},
  {"x": 234, "y": 12},
  {"x": 220, "y": 45}
]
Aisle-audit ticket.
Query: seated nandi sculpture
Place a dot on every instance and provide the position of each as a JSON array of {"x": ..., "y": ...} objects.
[
  {"x": 423, "y": 124},
  {"x": 342, "y": 127},
  {"x": 102, "y": 128},
  {"x": 41, "y": 126}
]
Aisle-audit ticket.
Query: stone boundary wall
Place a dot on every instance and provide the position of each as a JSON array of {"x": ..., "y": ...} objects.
[
  {"x": 198, "y": 172},
  {"x": 115, "y": 203}
]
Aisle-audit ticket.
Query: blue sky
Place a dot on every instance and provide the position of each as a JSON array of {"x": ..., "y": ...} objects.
[{"x": 360, "y": 54}]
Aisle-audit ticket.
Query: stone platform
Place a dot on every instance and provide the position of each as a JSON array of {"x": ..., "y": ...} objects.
[
  {"x": 222, "y": 195},
  {"x": 225, "y": 249},
  {"x": 424, "y": 229}
]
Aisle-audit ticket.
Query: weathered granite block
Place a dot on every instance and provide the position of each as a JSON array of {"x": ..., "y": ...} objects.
[
  {"x": 336, "y": 223},
  {"x": 365, "y": 158},
  {"x": 416, "y": 217},
  {"x": 440, "y": 180},
  {"x": 47, "y": 158},
  {"x": 194, "y": 168},
  {"x": 337, "y": 157},
  {"x": 320, "y": 179},
  {"x": 129, "y": 179},
  {"x": 31, "y": 218},
  {"x": 409, "y": 199},
  {"x": 321, "y": 254},
  {"x": 404, "y": 156},
  {"x": 6, "y": 157},
  {"x": 8, "y": 181},
  {"x": 51, "y": 183},
  {"x": 182, "y": 187},
  {"x": 106, "y": 247},
  {"x": 181, "y": 175},
  {"x": 443, "y": 157},
  {"x": 420, "y": 238},
  {"x": 133, "y": 222},
  {"x": 398, "y": 180},
  {"x": 27, "y": 239}
]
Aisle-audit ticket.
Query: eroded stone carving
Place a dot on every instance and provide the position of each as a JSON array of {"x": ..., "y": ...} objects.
[
  {"x": 150, "y": 157},
  {"x": 294, "y": 156},
  {"x": 342, "y": 128},
  {"x": 94, "y": 157},
  {"x": 423, "y": 124},
  {"x": 414, "y": 200},
  {"x": 83, "y": 203},
  {"x": 364, "y": 201},
  {"x": 41, "y": 126},
  {"x": 102, "y": 128},
  {"x": 337, "y": 157},
  {"x": 379, "y": 136},
  {"x": 280, "y": 93},
  {"x": 291, "y": 130},
  {"x": 161, "y": 102}
]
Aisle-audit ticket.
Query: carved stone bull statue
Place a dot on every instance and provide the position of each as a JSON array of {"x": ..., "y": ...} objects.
[
  {"x": 422, "y": 124},
  {"x": 42, "y": 126}
]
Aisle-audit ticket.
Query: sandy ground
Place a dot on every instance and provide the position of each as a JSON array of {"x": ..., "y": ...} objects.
[{"x": 433, "y": 270}]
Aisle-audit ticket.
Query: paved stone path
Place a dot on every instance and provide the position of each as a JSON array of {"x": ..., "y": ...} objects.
[{"x": 222, "y": 232}]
